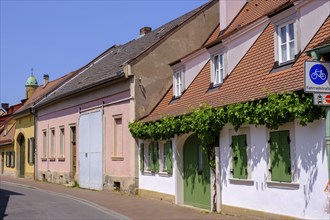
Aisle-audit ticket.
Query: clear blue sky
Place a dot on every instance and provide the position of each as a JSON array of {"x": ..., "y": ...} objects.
[{"x": 57, "y": 37}]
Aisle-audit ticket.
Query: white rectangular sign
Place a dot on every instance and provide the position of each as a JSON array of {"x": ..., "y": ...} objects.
[
  {"x": 317, "y": 77},
  {"x": 321, "y": 99}
]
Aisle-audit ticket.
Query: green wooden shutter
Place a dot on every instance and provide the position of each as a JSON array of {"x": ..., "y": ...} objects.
[
  {"x": 286, "y": 162},
  {"x": 169, "y": 156},
  {"x": 280, "y": 156},
  {"x": 156, "y": 153},
  {"x": 154, "y": 157},
  {"x": 239, "y": 155},
  {"x": 142, "y": 157}
]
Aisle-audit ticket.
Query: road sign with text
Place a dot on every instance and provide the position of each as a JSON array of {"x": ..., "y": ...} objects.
[{"x": 317, "y": 79}]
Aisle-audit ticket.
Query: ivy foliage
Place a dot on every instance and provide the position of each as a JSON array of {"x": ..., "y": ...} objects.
[{"x": 207, "y": 121}]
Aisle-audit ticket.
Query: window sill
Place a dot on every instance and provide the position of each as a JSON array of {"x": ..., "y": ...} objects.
[
  {"x": 213, "y": 87},
  {"x": 61, "y": 159},
  {"x": 148, "y": 173},
  {"x": 43, "y": 159},
  {"x": 52, "y": 159},
  {"x": 164, "y": 174},
  {"x": 117, "y": 158},
  {"x": 277, "y": 67},
  {"x": 282, "y": 185},
  {"x": 241, "y": 181},
  {"x": 174, "y": 99}
]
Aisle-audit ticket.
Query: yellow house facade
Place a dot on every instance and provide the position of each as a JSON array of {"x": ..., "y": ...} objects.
[{"x": 24, "y": 146}]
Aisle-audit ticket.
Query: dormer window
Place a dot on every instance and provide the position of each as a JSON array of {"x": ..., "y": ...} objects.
[
  {"x": 286, "y": 42},
  {"x": 286, "y": 24},
  {"x": 178, "y": 83},
  {"x": 217, "y": 72}
]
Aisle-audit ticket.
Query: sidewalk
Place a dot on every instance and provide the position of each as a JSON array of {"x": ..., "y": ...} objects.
[{"x": 134, "y": 207}]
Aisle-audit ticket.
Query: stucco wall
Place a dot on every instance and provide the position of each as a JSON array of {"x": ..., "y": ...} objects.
[
  {"x": 154, "y": 71},
  {"x": 237, "y": 45},
  {"x": 305, "y": 198},
  {"x": 312, "y": 16},
  {"x": 117, "y": 166},
  {"x": 194, "y": 65}
]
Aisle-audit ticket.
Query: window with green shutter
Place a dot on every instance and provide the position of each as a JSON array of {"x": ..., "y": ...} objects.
[
  {"x": 280, "y": 159},
  {"x": 154, "y": 157},
  {"x": 142, "y": 157},
  {"x": 239, "y": 157}
]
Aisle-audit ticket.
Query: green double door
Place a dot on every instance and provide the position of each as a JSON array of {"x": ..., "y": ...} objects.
[{"x": 197, "y": 191}]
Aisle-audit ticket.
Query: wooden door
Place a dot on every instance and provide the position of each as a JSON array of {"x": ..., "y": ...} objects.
[
  {"x": 197, "y": 190},
  {"x": 22, "y": 157}
]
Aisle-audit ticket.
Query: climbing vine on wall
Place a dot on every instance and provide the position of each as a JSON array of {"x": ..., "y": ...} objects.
[
  {"x": 272, "y": 112},
  {"x": 207, "y": 121}
]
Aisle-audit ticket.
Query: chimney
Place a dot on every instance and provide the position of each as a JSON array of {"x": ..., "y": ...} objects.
[
  {"x": 46, "y": 79},
  {"x": 145, "y": 30},
  {"x": 5, "y": 106}
]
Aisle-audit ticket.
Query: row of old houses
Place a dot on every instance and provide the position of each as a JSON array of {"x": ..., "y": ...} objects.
[{"x": 75, "y": 128}]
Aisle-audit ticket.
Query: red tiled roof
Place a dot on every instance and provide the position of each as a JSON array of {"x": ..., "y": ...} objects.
[
  {"x": 9, "y": 137},
  {"x": 214, "y": 35},
  {"x": 253, "y": 10},
  {"x": 251, "y": 79}
]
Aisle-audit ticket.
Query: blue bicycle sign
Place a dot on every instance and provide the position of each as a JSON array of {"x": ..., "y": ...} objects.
[{"x": 318, "y": 74}]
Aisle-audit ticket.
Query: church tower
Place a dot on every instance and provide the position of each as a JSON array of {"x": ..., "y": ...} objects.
[{"x": 30, "y": 85}]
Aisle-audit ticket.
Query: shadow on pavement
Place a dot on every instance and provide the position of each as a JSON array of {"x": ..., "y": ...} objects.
[{"x": 4, "y": 198}]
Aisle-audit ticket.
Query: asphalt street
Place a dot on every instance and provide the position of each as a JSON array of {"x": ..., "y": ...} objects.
[{"x": 23, "y": 202}]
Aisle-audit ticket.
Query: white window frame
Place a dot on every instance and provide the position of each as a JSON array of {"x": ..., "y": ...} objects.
[
  {"x": 52, "y": 142},
  {"x": 287, "y": 42},
  {"x": 117, "y": 150},
  {"x": 217, "y": 69},
  {"x": 162, "y": 157},
  {"x": 62, "y": 142},
  {"x": 178, "y": 83},
  {"x": 279, "y": 20},
  {"x": 44, "y": 144}
]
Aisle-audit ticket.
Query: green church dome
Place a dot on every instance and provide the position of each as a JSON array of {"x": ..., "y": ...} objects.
[{"x": 31, "y": 81}]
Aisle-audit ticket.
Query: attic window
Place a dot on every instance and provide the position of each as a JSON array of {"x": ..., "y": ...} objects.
[
  {"x": 285, "y": 35},
  {"x": 178, "y": 83}
]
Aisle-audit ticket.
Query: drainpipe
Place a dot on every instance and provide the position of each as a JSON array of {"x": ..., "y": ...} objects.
[
  {"x": 34, "y": 113},
  {"x": 327, "y": 135},
  {"x": 35, "y": 146}
]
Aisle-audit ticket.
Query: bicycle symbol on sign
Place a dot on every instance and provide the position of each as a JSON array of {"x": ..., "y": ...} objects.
[{"x": 318, "y": 74}]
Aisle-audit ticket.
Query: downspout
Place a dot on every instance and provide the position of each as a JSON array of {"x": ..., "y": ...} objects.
[
  {"x": 34, "y": 112},
  {"x": 316, "y": 54}
]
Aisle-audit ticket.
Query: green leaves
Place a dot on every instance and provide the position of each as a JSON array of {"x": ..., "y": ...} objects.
[
  {"x": 207, "y": 121},
  {"x": 272, "y": 112}
]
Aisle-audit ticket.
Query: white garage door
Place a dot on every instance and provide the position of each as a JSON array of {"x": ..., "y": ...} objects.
[{"x": 90, "y": 151}]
